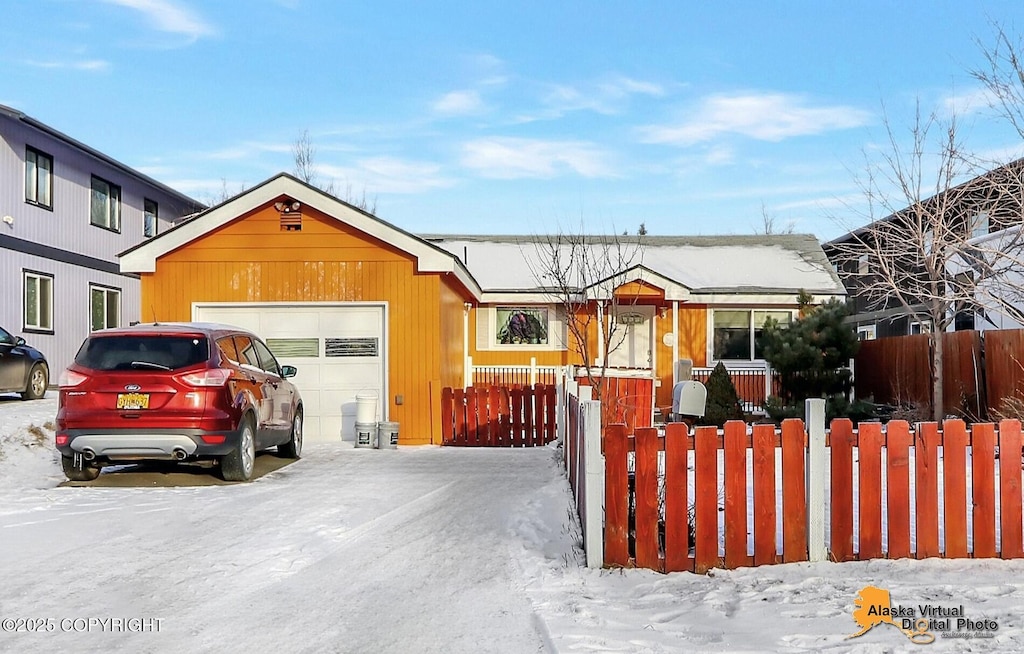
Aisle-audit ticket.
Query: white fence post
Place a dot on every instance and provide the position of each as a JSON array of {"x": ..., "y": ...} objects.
[
  {"x": 814, "y": 422},
  {"x": 533, "y": 371},
  {"x": 468, "y": 374},
  {"x": 593, "y": 524}
]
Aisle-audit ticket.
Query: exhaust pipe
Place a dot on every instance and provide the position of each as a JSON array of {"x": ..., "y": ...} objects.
[
  {"x": 88, "y": 454},
  {"x": 179, "y": 454}
]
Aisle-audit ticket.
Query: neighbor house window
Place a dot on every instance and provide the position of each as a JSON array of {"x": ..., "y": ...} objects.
[
  {"x": 521, "y": 325},
  {"x": 149, "y": 220},
  {"x": 920, "y": 327},
  {"x": 980, "y": 225},
  {"x": 105, "y": 205},
  {"x": 104, "y": 307},
  {"x": 38, "y": 178},
  {"x": 737, "y": 333},
  {"x": 866, "y": 332},
  {"x": 38, "y": 301}
]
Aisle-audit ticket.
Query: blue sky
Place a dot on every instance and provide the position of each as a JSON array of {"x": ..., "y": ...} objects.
[{"x": 513, "y": 117}]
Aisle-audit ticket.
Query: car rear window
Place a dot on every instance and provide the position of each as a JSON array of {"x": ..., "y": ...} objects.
[{"x": 143, "y": 352}]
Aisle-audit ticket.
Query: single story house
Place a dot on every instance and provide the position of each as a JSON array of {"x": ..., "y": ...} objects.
[{"x": 362, "y": 306}]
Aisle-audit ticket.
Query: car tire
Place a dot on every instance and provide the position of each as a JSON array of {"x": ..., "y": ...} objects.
[
  {"x": 38, "y": 380},
  {"x": 85, "y": 472},
  {"x": 239, "y": 464},
  {"x": 293, "y": 448}
]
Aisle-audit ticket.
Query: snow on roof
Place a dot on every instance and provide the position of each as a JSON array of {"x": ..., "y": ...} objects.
[{"x": 702, "y": 264}]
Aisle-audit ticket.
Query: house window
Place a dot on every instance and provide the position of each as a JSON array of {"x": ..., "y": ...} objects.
[
  {"x": 980, "y": 225},
  {"x": 105, "y": 205},
  {"x": 38, "y": 301},
  {"x": 521, "y": 325},
  {"x": 920, "y": 327},
  {"x": 737, "y": 333},
  {"x": 38, "y": 178},
  {"x": 863, "y": 265},
  {"x": 149, "y": 220},
  {"x": 963, "y": 320},
  {"x": 104, "y": 307},
  {"x": 866, "y": 332}
]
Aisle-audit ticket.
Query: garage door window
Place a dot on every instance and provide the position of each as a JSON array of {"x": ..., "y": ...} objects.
[
  {"x": 352, "y": 347},
  {"x": 294, "y": 347}
]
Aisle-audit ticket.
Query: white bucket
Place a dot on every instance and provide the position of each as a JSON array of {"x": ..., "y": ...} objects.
[
  {"x": 366, "y": 407},
  {"x": 387, "y": 435},
  {"x": 366, "y": 432}
]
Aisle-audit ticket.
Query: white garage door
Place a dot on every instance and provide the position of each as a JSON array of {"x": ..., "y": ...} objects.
[{"x": 339, "y": 350}]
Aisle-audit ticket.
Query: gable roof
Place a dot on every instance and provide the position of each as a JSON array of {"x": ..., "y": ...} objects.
[
  {"x": 429, "y": 258},
  {"x": 686, "y": 267},
  {"x": 25, "y": 119}
]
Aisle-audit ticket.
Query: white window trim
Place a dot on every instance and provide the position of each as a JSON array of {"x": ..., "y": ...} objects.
[
  {"x": 35, "y": 178},
  {"x": 107, "y": 291},
  {"x": 487, "y": 322},
  {"x": 740, "y": 362},
  {"x": 39, "y": 277},
  {"x": 870, "y": 332},
  {"x": 923, "y": 327}
]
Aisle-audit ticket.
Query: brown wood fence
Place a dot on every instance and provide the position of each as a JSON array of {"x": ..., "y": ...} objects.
[
  {"x": 498, "y": 416},
  {"x": 651, "y": 520},
  {"x": 629, "y": 400},
  {"x": 897, "y": 370}
]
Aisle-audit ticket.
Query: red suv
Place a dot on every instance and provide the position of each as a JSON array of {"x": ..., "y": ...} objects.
[{"x": 176, "y": 391}]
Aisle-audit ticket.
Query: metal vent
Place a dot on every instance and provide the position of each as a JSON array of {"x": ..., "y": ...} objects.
[
  {"x": 352, "y": 347},
  {"x": 294, "y": 347}
]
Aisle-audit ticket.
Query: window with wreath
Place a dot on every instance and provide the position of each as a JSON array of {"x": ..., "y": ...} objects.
[{"x": 521, "y": 325}]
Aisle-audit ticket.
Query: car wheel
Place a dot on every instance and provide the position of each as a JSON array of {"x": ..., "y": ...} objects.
[
  {"x": 293, "y": 448},
  {"x": 238, "y": 465},
  {"x": 38, "y": 380},
  {"x": 84, "y": 472}
]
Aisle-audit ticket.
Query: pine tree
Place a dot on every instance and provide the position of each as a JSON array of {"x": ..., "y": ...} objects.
[{"x": 723, "y": 402}]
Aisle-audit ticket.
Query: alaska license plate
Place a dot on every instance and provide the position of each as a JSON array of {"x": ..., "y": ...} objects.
[{"x": 133, "y": 401}]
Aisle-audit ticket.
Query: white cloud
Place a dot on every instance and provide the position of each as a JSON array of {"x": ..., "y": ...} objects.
[
  {"x": 765, "y": 117},
  {"x": 459, "y": 103},
  {"x": 607, "y": 97},
  {"x": 515, "y": 158},
  {"x": 90, "y": 65},
  {"x": 971, "y": 102},
  {"x": 168, "y": 16},
  {"x": 385, "y": 175}
]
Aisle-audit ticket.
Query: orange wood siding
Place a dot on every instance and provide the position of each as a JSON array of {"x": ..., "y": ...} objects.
[
  {"x": 692, "y": 339},
  {"x": 252, "y": 260},
  {"x": 632, "y": 291}
]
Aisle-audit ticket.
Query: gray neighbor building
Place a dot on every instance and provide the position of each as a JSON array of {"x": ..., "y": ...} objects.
[{"x": 66, "y": 211}]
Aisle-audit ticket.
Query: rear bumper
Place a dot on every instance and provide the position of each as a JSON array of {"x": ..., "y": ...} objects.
[{"x": 146, "y": 444}]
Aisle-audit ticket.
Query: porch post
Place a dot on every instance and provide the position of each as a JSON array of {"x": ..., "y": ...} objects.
[{"x": 675, "y": 340}]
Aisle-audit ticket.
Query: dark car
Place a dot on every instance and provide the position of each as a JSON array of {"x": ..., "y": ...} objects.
[
  {"x": 23, "y": 369},
  {"x": 178, "y": 392}
]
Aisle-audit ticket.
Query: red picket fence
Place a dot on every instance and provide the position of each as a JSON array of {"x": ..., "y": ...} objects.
[
  {"x": 498, "y": 416},
  {"x": 651, "y": 522},
  {"x": 629, "y": 400}
]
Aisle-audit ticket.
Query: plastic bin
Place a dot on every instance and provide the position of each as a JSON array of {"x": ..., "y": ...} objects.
[
  {"x": 366, "y": 407},
  {"x": 365, "y": 434},
  {"x": 387, "y": 435}
]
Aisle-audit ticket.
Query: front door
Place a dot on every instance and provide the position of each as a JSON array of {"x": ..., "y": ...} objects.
[{"x": 630, "y": 345}]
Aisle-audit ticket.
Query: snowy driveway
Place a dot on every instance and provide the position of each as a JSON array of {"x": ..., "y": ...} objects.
[{"x": 346, "y": 550}]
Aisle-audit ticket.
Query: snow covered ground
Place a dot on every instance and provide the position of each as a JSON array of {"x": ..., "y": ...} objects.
[{"x": 422, "y": 549}]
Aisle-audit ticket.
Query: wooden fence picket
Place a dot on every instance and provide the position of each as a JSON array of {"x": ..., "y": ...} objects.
[
  {"x": 616, "y": 504},
  {"x": 870, "y": 449},
  {"x": 983, "y": 491},
  {"x": 1009, "y": 490},
  {"x": 705, "y": 483},
  {"x": 646, "y": 513},
  {"x": 898, "y": 488},
  {"x": 735, "y": 482},
  {"x": 927, "y": 489},
  {"x": 764, "y": 494},
  {"x": 459, "y": 397},
  {"x": 842, "y": 440},
  {"x": 447, "y": 416},
  {"x": 794, "y": 492},
  {"x": 677, "y": 537},
  {"x": 954, "y": 485}
]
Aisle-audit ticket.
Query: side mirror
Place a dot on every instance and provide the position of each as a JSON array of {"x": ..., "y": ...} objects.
[
  {"x": 289, "y": 371},
  {"x": 19, "y": 341}
]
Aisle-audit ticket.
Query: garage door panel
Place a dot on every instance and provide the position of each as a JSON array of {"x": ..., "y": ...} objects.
[{"x": 328, "y": 384}]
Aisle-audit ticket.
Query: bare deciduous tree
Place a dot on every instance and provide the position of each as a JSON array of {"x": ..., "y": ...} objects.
[
  {"x": 581, "y": 274},
  {"x": 1003, "y": 76},
  {"x": 306, "y": 169},
  {"x": 770, "y": 224},
  {"x": 924, "y": 250}
]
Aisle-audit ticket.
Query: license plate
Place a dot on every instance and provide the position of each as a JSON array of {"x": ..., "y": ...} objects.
[{"x": 133, "y": 401}]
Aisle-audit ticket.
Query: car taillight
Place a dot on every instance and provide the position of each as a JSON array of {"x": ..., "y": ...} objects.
[
  {"x": 70, "y": 379},
  {"x": 62, "y": 439},
  {"x": 208, "y": 377}
]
